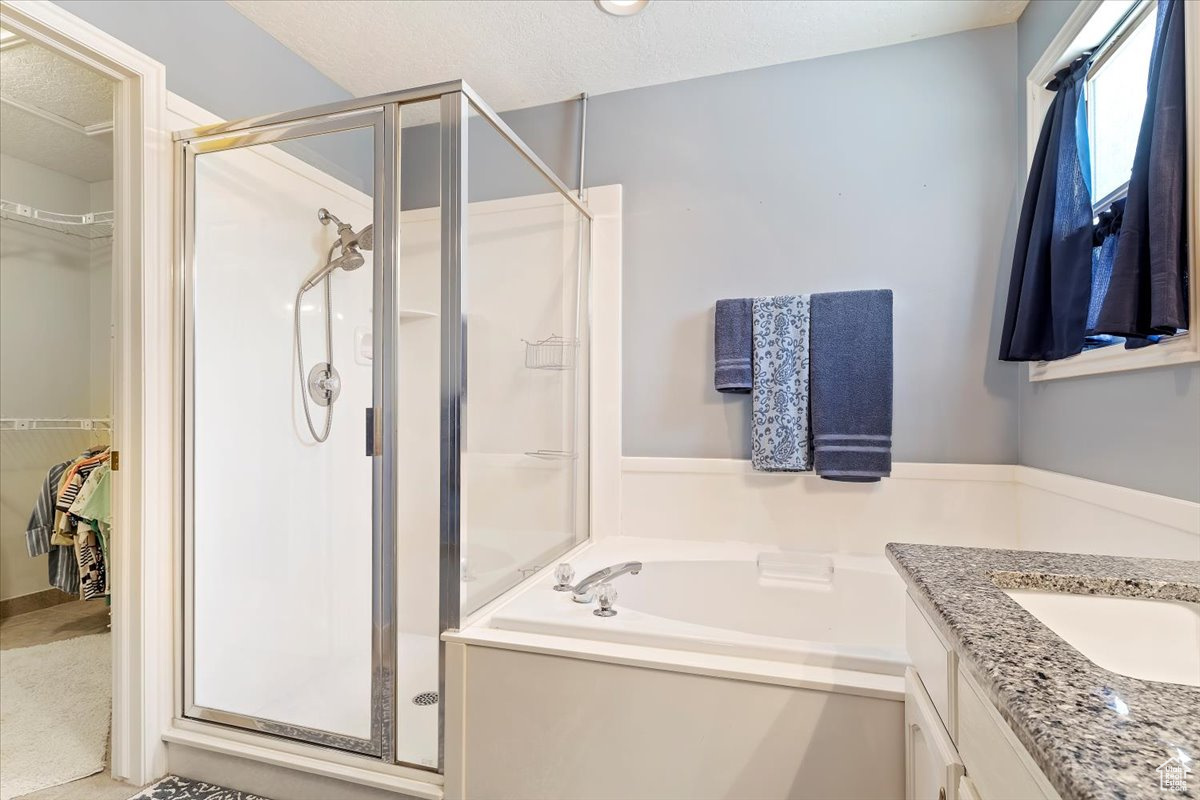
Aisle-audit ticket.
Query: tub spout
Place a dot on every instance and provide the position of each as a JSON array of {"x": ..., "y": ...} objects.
[{"x": 585, "y": 590}]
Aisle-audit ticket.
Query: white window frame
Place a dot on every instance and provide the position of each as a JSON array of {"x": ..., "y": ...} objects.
[{"x": 1088, "y": 24}]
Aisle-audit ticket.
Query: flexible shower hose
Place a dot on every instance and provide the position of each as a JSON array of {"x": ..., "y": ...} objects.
[{"x": 320, "y": 437}]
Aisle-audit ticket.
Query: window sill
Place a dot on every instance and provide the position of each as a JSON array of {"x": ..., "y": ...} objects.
[{"x": 1184, "y": 350}]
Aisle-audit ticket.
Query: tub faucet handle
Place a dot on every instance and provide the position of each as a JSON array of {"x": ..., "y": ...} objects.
[
  {"x": 606, "y": 595},
  {"x": 564, "y": 573}
]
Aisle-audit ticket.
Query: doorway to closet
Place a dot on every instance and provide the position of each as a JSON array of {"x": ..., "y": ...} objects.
[{"x": 57, "y": 529}]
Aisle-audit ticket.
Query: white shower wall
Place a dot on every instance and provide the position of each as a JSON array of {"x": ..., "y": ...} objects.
[{"x": 282, "y": 542}]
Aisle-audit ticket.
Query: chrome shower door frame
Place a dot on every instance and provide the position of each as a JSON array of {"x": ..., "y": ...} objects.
[
  {"x": 457, "y": 102},
  {"x": 384, "y": 122}
]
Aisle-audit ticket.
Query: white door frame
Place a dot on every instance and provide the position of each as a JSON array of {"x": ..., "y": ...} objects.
[{"x": 144, "y": 498}]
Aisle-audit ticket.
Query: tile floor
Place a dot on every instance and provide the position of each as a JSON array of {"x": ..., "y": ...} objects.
[{"x": 173, "y": 788}]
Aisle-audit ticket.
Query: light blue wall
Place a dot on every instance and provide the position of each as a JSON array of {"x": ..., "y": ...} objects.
[
  {"x": 1137, "y": 429},
  {"x": 892, "y": 167},
  {"x": 883, "y": 168},
  {"x": 226, "y": 64},
  {"x": 214, "y": 56}
]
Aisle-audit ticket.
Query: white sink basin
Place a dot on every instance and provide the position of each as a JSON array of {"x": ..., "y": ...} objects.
[{"x": 1154, "y": 640}]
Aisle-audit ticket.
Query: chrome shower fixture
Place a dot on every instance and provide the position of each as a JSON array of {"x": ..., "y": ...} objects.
[
  {"x": 364, "y": 239},
  {"x": 350, "y": 260},
  {"x": 323, "y": 383}
]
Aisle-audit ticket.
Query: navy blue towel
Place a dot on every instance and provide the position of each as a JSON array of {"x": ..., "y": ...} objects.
[
  {"x": 851, "y": 384},
  {"x": 732, "y": 346}
]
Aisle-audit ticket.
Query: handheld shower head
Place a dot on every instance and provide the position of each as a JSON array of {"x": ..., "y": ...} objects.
[{"x": 350, "y": 260}]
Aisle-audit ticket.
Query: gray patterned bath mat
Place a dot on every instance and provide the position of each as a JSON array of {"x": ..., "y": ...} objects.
[{"x": 173, "y": 788}]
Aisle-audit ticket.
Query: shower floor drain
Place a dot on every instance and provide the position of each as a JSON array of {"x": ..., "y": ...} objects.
[{"x": 425, "y": 699}]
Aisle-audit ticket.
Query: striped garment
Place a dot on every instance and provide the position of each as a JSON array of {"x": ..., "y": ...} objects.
[
  {"x": 93, "y": 577},
  {"x": 63, "y": 566},
  {"x": 71, "y": 490}
]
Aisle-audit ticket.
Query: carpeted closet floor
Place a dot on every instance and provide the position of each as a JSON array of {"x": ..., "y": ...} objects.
[{"x": 67, "y": 621}]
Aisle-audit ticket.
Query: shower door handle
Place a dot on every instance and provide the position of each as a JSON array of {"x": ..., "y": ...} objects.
[{"x": 372, "y": 439}]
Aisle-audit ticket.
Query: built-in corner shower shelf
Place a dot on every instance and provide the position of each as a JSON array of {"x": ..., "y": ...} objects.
[{"x": 416, "y": 313}]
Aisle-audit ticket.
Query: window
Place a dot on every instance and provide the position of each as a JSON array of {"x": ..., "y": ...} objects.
[{"x": 1114, "y": 99}]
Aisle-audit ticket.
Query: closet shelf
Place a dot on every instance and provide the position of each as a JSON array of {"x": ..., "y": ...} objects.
[
  {"x": 96, "y": 225},
  {"x": 74, "y": 424}
]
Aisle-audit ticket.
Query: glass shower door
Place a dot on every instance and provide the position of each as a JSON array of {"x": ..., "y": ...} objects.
[{"x": 289, "y": 325}]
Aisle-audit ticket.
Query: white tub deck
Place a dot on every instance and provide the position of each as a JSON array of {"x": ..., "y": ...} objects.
[{"x": 702, "y": 607}]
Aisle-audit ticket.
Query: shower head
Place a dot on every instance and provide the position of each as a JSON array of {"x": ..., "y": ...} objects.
[
  {"x": 366, "y": 238},
  {"x": 349, "y": 260}
]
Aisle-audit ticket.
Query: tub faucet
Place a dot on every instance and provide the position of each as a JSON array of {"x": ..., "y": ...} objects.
[{"x": 585, "y": 590}]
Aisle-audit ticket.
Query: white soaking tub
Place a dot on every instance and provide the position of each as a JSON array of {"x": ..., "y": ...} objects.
[{"x": 830, "y": 610}]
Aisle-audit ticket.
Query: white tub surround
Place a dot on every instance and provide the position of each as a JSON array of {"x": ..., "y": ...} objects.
[
  {"x": 704, "y": 597},
  {"x": 972, "y": 505},
  {"x": 540, "y": 726},
  {"x": 806, "y": 667}
]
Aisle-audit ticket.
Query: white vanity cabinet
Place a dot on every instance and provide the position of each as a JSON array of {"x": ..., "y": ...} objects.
[
  {"x": 932, "y": 765},
  {"x": 956, "y": 745}
]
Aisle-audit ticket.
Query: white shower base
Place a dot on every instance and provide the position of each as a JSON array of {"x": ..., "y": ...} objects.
[{"x": 334, "y": 689}]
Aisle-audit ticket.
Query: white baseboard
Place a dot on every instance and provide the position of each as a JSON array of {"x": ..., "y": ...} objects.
[{"x": 978, "y": 505}]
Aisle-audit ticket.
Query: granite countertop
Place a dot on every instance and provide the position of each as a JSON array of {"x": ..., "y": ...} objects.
[{"x": 1094, "y": 733}]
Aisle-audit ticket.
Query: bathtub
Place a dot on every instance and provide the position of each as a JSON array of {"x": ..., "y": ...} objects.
[{"x": 715, "y": 598}]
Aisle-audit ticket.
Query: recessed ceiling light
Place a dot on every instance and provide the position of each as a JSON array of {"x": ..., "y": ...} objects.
[{"x": 622, "y": 8}]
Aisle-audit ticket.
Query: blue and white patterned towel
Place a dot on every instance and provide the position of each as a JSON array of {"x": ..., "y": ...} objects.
[{"x": 779, "y": 439}]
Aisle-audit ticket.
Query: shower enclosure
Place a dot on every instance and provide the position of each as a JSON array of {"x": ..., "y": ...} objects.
[{"x": 385, "y": 427}]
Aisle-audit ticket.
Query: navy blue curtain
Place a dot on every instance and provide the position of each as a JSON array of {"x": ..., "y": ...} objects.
[
  {"x": 1147, "y": 292},
  {"x": 1050, "y": 287},
  {"x": 1104, "y": 252}
]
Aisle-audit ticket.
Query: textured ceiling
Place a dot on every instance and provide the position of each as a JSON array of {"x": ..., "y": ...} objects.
[
  {"x": 520, "y": 53},
  {"x": 38, "y": 77}
]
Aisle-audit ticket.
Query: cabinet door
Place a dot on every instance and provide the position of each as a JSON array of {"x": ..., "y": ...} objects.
[{"x": 932, "y": 765}]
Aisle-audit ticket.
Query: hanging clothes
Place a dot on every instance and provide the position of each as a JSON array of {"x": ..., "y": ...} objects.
[
  {"x": 92, "y": 508},
  {"x": 63, "y": 571},
  {"x": 77, "y": 475},
  {"x": 1147, "y": 294},
  {"x": 1051, "y": 279},
  {"x": 72, "y": 491}
]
